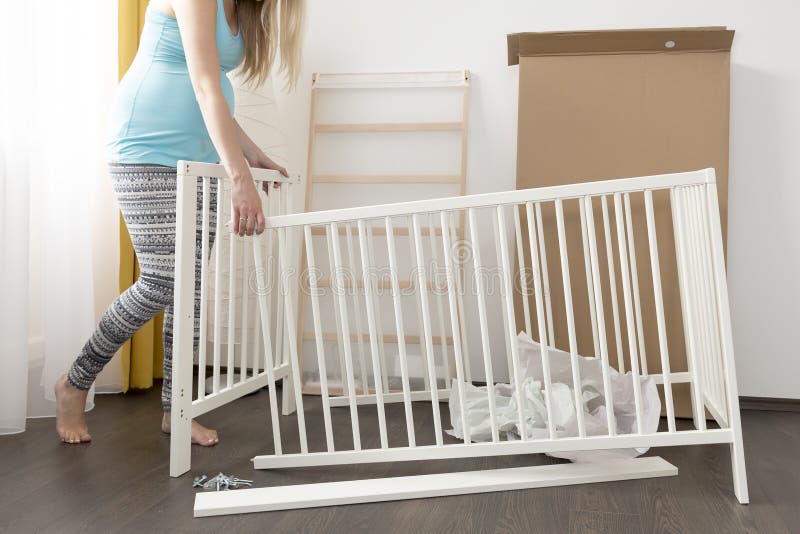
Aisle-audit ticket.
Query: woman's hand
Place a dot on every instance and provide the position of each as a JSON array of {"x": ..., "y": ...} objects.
[
  {"x": 248, "y": 217},
  {"x": 257, "y": 159}
]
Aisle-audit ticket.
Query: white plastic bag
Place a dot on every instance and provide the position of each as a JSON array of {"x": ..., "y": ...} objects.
[{"x": 563, "y": 403}]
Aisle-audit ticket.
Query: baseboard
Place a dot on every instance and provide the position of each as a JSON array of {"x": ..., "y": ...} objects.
[{"x": 769, "y": 404}]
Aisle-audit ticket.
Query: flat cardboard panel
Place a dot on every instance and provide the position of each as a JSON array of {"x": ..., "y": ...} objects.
[{"x": 601, "y": 116}]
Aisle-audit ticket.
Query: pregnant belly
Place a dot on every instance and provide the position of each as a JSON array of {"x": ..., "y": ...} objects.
[{"x": 159, "y": 107}]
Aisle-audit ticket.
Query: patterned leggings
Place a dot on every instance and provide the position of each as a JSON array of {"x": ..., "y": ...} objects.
[{"x": 146, "y": 195}]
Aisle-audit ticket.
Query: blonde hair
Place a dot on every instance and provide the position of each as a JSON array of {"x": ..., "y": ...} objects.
[{"x": 268, "y": 25}]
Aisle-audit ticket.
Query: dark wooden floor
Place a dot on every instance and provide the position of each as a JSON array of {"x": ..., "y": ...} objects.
[{"x": 120, "y": 482}]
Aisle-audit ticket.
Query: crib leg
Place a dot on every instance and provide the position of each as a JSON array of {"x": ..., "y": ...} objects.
[
  {"x": 738, "y": 470},
  {"x": 728, "y": 361},
  {"x": 180, "y": 447},
  {"x": 737, "y": 457}
]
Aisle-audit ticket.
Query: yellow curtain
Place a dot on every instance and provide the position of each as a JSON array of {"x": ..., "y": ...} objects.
[{"x": 143, "y": 355}]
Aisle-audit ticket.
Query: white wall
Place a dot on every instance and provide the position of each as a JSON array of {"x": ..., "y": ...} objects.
[{"x": 764, "y": 242}]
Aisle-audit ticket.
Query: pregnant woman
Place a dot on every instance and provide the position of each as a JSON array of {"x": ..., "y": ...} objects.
[{"x": 176, "y": 102}]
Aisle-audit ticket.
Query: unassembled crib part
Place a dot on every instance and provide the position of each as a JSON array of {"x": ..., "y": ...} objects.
[{"x": 711, "y": 378}]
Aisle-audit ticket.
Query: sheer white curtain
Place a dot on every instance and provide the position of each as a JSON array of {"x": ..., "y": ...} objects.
[{"x": 58, "y": 67}]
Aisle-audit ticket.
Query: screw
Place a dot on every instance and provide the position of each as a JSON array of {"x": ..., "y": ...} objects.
[
  {"x": 198, "y": 481},
  {"x": 210, "y": 483}
]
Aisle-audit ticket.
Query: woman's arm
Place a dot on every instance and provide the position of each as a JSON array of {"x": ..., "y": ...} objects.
[
  {"x": 255, "y": 156},
  {"x": 197, "y": 21}
]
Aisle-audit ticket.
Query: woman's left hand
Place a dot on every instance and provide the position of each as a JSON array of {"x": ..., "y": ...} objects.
[{"x": 257, "y": 159}]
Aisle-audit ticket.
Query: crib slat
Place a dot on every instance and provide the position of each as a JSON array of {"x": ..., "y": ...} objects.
[
  {"x": 613, "y": 284},
  {"x": 508, "y": 341},
  {"x": 687, "y": 312},
  {"x": 711, "y": 354},
  {"x": 323, "y": 371},
  {"x": 377, "y": 310},
  {"x": 573, "y": 342},
  {"x": 333, "y": 231},
  {"x": 711, "y": 300},
  {"x": 709, "y": 303},
  {"x": 589, "y": 284},
  {"x": 545, "y": 278},
  {"x": 540, "y": 316},
  {"x": 264, "y": 303},
  {"x": 374, "y": 340},
  {"x": 291, "y": 338},
  {"x": 629, "y": 313},
  {"x": 637, "y": 303},
  {"x": 362, "y": 358},
  {"x": 655, "y": 266},
  {"x": 699, "y": 291},
  {"x": 448, "y": 376},
  {"x": 426, "y": 323},
  {"x": 401, "y": 342},
  {"x": 337, "y": 296},
  {"x": 423, "y": 347},
  {"x": 460, "y": 299},
  {"x": 451, "y": 298},
  {"x": 280, "y": 342},
  {"x": 691, "y": 260},
  {"x": 257, "y": 349},
  {"x": 511, "y": 328},
  {"x": 280, "y": 354},
  {"x": 231, "y": 310},
  {"x": 204, "y": 239},
  {"x": 245, "y": 315},
  {"x": 601, "y": 325},
  {"x": 523, "y": 275},
  {"x": 481, "y": 291},
  {"x": 221, "y": 203},
  {"x": 286, "y": 392}
]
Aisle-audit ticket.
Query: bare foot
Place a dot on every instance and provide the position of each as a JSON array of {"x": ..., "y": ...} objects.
[
  {"x": 200, "y": 434},
  {"x": 70, "y": 405}
]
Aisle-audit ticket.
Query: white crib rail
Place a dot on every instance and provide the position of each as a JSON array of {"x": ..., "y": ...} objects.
[{"x": 703, "y": 303}]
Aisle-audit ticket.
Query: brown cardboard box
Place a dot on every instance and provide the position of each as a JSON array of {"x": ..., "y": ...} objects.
[{"x": 597, "y": 105}]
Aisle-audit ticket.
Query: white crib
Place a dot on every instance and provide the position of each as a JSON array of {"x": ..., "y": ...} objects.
[{"x": 464, "y": 308}]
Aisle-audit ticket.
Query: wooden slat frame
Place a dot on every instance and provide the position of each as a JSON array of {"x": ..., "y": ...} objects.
[
  {"x": 388, "y": 179},
  {"x": 323, "y": 82},
  {"x": 371, "y": 127}
]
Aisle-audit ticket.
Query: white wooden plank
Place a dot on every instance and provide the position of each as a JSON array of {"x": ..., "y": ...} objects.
[
  {"x": 214, "y": 170},
  {"x": 213, "y": 401},
  {"x": 364, "y": 127},
  {"x": 180, "y": 445},
  {"x": 502, "y": 448},
  {"x": 426, "y": 486},
  {"x": 539, "y": 194},
  {"x": 387, "y": 80}
]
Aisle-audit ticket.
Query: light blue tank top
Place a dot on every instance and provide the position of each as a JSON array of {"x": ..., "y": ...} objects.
[{"x": 155, "y": 117}]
